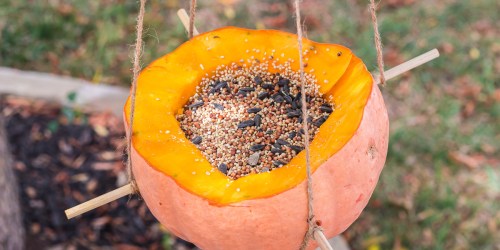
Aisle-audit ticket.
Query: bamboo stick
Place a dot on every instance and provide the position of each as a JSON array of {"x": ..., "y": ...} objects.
[
  {"x": 322, "y": 241},
  {"x": 184, "y": 17},
  {"x": 99, "y": 201},
  {"x": 409, "y": 65}
]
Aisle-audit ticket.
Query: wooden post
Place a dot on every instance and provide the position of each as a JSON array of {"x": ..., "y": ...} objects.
[{"x": 11, "y": 225}]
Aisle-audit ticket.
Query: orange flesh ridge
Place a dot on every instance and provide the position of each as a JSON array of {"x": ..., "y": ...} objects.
[{"x": 167, "y": 84}]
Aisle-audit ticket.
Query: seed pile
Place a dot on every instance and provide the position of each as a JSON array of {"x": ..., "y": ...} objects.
[{"x": 248, "y": 120}]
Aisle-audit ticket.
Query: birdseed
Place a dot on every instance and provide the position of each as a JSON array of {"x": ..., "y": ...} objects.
[{"x": 246, "y": 120}]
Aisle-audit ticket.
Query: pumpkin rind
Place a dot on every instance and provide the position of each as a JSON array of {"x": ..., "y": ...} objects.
[{"x": 165, "y": 86}]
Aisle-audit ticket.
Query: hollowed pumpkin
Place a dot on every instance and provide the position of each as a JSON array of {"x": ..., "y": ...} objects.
[{"x": 267, "y": 210}]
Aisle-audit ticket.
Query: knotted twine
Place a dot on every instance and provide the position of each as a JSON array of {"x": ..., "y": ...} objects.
[
  {"x": 136, "y": 69},
  {"x": 378, "y": 42},
  {"x": 192, "y": 14},
  {"x": 311, "y": 225}
]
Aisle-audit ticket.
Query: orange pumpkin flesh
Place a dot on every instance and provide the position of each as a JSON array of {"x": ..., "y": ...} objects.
[{"x": 198, "y": 203}]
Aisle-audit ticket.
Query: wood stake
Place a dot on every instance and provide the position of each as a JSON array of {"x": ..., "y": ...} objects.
[
  {"x": 320, "y": 238},
  {"x": 99, "y": 201},
  {"x": 408, "y": 65},
  {"x": 183, "y": 15}
]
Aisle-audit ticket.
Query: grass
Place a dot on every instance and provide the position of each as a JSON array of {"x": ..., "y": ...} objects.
[{"x": 426, "y": 197}]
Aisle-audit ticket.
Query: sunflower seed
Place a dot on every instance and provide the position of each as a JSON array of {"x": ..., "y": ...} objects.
[
  {"x": 258, "y": 79},
  {"x": 257, "y": 147},
  {"x": 326, "y": 108},
  {"x": 296, "y": 148},
  {"x": 267, "y": 86},
  {"x": 218, "y": 106},
  {"x": 196, "y": 140},
  {"x": 278, "y": 163},
  {"x": 282, "y": 142},
  {"x": 253, "y": 110},
  {"x": 319, "y": 121},
  {"x": 196, "y": 105},
  {"x": 293, "y": 114},
  {"x": 257, "y": 120},
  {"x": 263, "y": 95},
  {"x": 247, "y": 89},
  {"x": 223, "y": 168},
  {"x": 246, "y": 123}
]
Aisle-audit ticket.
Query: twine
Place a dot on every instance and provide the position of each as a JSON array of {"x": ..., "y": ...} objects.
[
  {"x": 192, "y": 14},
  {"x": 378, "y": 42},
  {"x": 136, "y": 70},
  {"x": 310, "y": 215}
]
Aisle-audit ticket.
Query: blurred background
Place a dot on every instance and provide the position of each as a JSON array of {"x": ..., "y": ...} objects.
[{"x": 440, "y": 188}]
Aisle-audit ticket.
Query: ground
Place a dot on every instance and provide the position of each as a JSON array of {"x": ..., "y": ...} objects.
[{"x": 440, "y": 187}]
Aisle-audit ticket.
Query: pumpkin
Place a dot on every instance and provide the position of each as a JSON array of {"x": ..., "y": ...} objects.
[{"x": 267, "y": 210}]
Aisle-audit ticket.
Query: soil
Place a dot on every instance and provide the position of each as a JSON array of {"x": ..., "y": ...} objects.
[{"x": 63, "y": 157}]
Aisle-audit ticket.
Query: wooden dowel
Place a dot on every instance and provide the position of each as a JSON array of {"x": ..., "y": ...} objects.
[
  {"x": 322, "y": 241},
  {"x": 99, "y": 201},
  {"x": 408, "y": 65},
  {"x": 183, "y": 15}
]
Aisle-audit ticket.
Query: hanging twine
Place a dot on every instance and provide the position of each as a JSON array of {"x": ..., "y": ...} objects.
[
  {"x": 136, "y": 70},
  {"x": 378, "y": 42},
  {"x": 310, "y": 215},
  {"x": 192, "y": 14}
]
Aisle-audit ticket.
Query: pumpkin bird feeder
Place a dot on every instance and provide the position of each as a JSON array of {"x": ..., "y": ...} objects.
[{"x": 219, "y": 151}]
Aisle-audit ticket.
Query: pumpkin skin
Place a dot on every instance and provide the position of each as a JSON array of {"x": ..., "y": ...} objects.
[{"x": 267, "y": 210}]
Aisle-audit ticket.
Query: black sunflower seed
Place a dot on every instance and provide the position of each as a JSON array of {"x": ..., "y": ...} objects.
[
  {"x": 292, "y": 134},
  {"x": 218, "y": 106},
  {"x": 270, "y": 132},
  {"x": 257, "y": 120},
  {"x": 286, "y": 89},
  {"x": 319, "y": 121},
  {"x": 253, "y": 110},
  {"x": 258, "y": 79},
  {"x": 283, "y": 81},
  {"x": 267, "y": 86},
  {"x": 326, "y": 108},
  {"x": 257, "y": 147},
  {"x": 296, "y": 148},
  {"x": 278, "y": 98},
  {"x": 287, "y": 98},
  {"x": 223, "y": 168},
  {"x": 247, "y": 89},
  {"x": 295, "y": 113},
  {"x": 196, "y": 104},
  {"x": 278, "y": 163},
  {"x": 242, "y": 93},
  {"x": 246, "y": 123},
  {"x": 282, "y": 142},
  {"x": 263, "y": 95},
  {"x": 294, "y": 105},
  {"x": 297, "y": 97},
  {"x": 196, "y": 140},
  {"x": 218, "y": 86},
  {"x": 277, "y": 150}
]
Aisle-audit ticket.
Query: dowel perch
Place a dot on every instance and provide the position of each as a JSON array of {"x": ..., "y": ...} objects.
[
  {"x": 408, "y": 65},
  {"x": 322, "y": 241},
  {"x": 184, "y": 17},
  {"x": 99, "y": 201}
]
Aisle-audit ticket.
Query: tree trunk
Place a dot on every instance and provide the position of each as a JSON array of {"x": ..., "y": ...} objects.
[{"x": 11, "y": 226}]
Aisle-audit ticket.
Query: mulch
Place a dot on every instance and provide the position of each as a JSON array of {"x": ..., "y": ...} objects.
[{"x": 63, "y": 157}]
